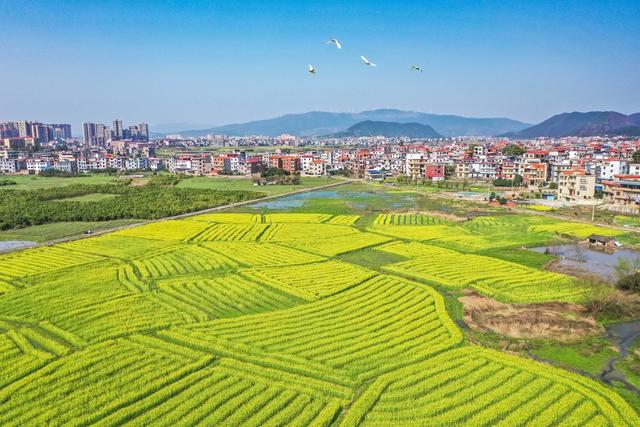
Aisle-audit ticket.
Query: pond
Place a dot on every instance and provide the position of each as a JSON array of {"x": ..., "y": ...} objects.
[
  {"x": 358, "y": 199},
  {"x": 13, "y": 245},
  {"x": 580, "y": 257}
]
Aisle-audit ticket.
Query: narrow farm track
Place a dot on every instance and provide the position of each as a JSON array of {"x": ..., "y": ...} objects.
[{"x": 241, "y": 319}]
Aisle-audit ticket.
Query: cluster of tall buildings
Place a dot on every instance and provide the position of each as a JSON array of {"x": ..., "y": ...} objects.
[
  {"x": 31, "y": 132},
  {"x": 98, "y": 134}
]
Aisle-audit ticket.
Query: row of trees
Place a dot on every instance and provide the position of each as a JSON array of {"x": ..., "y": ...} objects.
[
  {"x": 24, "y": 208},
  {"x": 517, "y": 181}
]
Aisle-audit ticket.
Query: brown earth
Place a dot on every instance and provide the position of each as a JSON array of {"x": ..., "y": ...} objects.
[{"x": 555, "y": 321}]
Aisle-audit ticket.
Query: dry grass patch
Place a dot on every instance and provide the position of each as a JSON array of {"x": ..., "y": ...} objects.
[{"x": 555, "y": 321}]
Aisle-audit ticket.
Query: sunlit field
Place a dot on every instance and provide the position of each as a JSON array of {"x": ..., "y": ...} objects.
[{"x": 274, "y": 319}]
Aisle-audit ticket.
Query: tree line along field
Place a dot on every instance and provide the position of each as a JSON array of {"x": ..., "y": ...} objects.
[{"x": 254, "y": 319}]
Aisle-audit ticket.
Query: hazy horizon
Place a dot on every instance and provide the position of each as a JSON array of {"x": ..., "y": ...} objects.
[{"x": 215, "y": 64}]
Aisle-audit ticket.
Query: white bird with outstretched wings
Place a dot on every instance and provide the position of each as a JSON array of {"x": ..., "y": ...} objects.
[
  {"x": 367, "y": 62},
  {"x": 335, "y": 42}
]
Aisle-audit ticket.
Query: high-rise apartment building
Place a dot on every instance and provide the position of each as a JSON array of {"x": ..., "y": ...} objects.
[
  {"x": 134, "y": 132},
  {"x": 117, "y": 130},
  {"x": 89, "y": 133},
  {"x": 143, "y": 130},
  {"x": 24, "y": 128},
  {"x": 41, "y": 133},
  {"x": 103, "y": 134},
  {"x": 61, "y": 131}
]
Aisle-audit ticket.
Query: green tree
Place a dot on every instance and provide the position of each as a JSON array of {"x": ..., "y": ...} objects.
[
  {"x": 628, "y": 274},
  {"x": 636, "y": 156},
  {"x": 501, "y": 182},
  {"x": 449, "y": 171},
  {"x": 517, "y": 180},
  {"x": 513, "y": 150}
]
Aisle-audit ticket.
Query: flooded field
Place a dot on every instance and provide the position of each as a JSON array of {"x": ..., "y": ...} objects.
[
  {"x": 580, "y": 257},
  {"x": 12, "y": 245}
]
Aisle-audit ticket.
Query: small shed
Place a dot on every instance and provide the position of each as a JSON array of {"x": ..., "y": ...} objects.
[{"x": 602, "y": 241}]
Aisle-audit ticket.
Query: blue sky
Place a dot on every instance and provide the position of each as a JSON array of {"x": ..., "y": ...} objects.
[{"x": 216, "y": 62}]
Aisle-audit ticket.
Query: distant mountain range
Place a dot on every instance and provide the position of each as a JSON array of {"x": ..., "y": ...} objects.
[
  {"x": 593, "y": 123},
  {"x": 389, "y": 129},
  {"x": 319, "y": 123}
]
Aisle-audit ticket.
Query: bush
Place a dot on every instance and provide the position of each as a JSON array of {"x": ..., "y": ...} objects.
[
  {"x": 58, "y": 173},
  {"x": 513, "y": 150},
  {"x": 628, "y": 274},
  {"x": 501, "y": 182},
  {"x": 604, "y": 302}
]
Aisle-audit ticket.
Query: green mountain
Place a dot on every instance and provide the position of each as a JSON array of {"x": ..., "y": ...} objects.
[
  {"x": 319, "y": 123},
  {"x": 390, "y": 130}
]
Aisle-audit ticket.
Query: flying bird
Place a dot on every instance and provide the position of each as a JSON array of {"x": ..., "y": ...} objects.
[
  {"x": 416, "y": 68},
  {"x": 335, "y": 42},
  {"x": 367, "y": 62},
  {"x": 311, "y": 69}
]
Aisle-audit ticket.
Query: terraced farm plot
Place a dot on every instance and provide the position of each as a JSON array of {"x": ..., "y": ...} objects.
[
  {"x": 118, "y": 246},
  {"x": 31, "y": 262},
  {"x": 6, "y": 287},
  {"x": 479, "y": 387},
  {"x": 416, "y": 250},
  {"x": 187, "y": 259},
  {"x": 333, "y": 246},
  {"x": 344, "y": 220},
  {"x": 226, "y": 320},
  {"x": 383, "y": 323},
  {"x": 262, "y": 254},
  {"x": 90, "y": 303},
  {"x": 311, "y": 281},
  {"x": 474, "y": 236},
  {"x": 233, "y": 393},
  {"x": 408, "y": 219},
  {"x": 455, "y": 237},
  {"x": 505, "y": 223},
  {"x": 308, "y": 232},
  {"x": 307, "y": 218},
  {"x": 575, "y": 229},
  {"x": 503, "y": 280},
  {"x": 229, "y": 218},
  {"x": 417, "y": 232},
  {"x": 232, "y": 232},
  {"x": 223, "y": 296},
  {"x": 24, "y": 347},
  {"x": 144, "y": 382},
  {"x": 89, "y": 385},
  {"x": 174, "y": 230}
]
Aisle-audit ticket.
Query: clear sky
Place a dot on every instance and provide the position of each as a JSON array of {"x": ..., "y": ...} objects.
[{"x": 216, "y": 62}]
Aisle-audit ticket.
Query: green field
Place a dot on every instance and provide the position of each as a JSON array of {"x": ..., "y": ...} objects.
[
  {"x": 243, "y": 183},
  {"x": 280, "y": 319},
  {"x": 34, "y": 182},
  {"x": 59, "y": 230}
]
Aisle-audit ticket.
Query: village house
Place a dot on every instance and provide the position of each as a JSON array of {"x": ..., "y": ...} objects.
[{"x": 575, "y": 185}]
